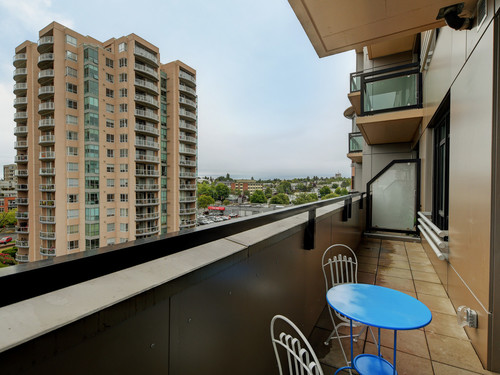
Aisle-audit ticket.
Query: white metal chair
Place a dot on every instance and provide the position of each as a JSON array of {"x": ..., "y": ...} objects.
[
  {"x": 300, "y": 356},
  {"x": 339, "y": 268}
]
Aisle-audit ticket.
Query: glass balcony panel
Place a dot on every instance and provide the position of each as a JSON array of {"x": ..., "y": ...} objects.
[
  {"x": 355, "y": 142},
  {"x": 391, "y": 93}
]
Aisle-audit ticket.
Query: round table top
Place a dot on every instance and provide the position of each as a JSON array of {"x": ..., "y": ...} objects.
[{"x": 378, "y": 306}]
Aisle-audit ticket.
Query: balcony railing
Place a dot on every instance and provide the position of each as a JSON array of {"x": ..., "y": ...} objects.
[
  {"x": 147, "y": 216},
  {"x": 146, "y": 172},
  {"x": 22, "y": 243},
  {"x": 147, "y": 114},
  {"x": 147, "y": 187},
  {"x": 22, "y": 201},
  {"x": 20, "y": 59},
  {"x": 47, "y": 155},
  {"x": 20, "y": 116},
  {"x": 146, "y": 54},
  {"x": 187, "y": 150},
  {"x": 147, "y": 144},
  {"x": 46, "y": 91},
  {"x": 147, "y": 158},
  {"x": 20, "y": 144},
  {"x": 22, "y": 187},
  {"x": 147, "y": 85},
  {"x": 50, "y": 138},
  {"x": 46, "y": 123},
  {"x": 21, "y": 173},
  {"x": 47, "y": 219},
  {"x": 147, "y": 231},
  {"x": 355, "y": 142},
  {"x": 187, "y": 89},
  {"x": 47, "y": 235},
  {"x": 22, "y": 230},
  {"x": 48, "y": 203},
  {"x": 20, "y": 88},
  {"x": 187, "y": 163},
  {"x": 21, "y": 159},
  {"x": 187, "y": 186},
  {"x": 22, "y": 215},
  {"x": 47, "y": 251},
  {"x": 47, "y": 187},
  {"x": 187, "y": 199},
  {"x": 389, "y": 89},
  {"x": 20, "y": 73},
  {"x": 146, "y": 201},
  {"x": 187, "y": 175},
  {"x": 146, "y": 69},
  {"x": 188, "y": 102},
  {"x": 187, "y": 77},
  {"x": 21, "y": 101},
  {"x": 188, "y": 114},
  {"x": 186, "y": 138},
  {"x": 149, "y": 129},
  {"x": 22, "y": 258},
  {"x": 187, "y": 211},
  {"x": 146, "y": 99},
  {"x": 185, "y": 125}
]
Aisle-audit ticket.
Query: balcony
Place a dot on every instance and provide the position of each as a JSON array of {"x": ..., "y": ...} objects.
[
  {"x": 20, "y": 229},
  {"x": 47, "y": 171},
  {"x": 45, "y": 43},
  {"x": 45, "y": 60},
  {"x": 188, "y": 114},
  {"x": 142, "y": 143},
  {"x": 21, "y": 173},
  {"x": 147, "y": 201},
  {"x": 20, "y": 88},
  {"x": 20, "y": 145},
  {"x": 187, "y": 163},
  {"x": 22, "y": 201},
  {"x": 46, "y": 124},
  {"x": 188, "y": 102},
  {"x": 20, "y": 60},
  {"x": 45, "y": 76},
  {"x": 147, "y": 100},
  {"x": 186, "y": 89},
  {"x": 355, "y": 147},
  {"x": 187, "y": 224},
  {"x": 153, "y": 73},
  {"x": 20, "y": 159},
  {"x": 147, "y": 231},
  {"x": 22, "y": 187},
  {"x": 20, "y": 74},
  {"x": 147, "y": 85},
  {"x": 187, "y": 175},
  {"x": 187, "y": 211},
  {"x": 48, "y": 203},
  {"x": 143, "y": 54},
  {"x": 184, "y": 125},
  {"x": 47, "y": 219},
  {"x": 22, "y": 215},
  {"x": 187, "y": 199},
  {"x": 187, "y": 139},
  {"x": 20, "y": 116},
  {"x": 187, "y": 151},
  {"x": 187, "y": 186},
  {"x": 46, "y": 107},
  {"x": 388, "y": 102},
  {"x": 148, "y": 115},
  {"x": 47, "y": 155},
  {"x": 147, "y": 187},
  {"x": 147, "y": 173},
  {"x": 187, "y": 77},
  {"x": 147, "y": 158},
  {"x": 48, "y": 251},
  {"x": 22, "y": 243},
  {"x": 147, "y": 129},
  {"x": 20, "y": 102},
  {"x": 147, "y": 216},
  {"x": 47, "y": 187},
  {"x": 47, "y": 139},
  {"x": 48, "y": 235},
  {"x": 45, "y": 92},
  {"x": 22, "y": 258}
]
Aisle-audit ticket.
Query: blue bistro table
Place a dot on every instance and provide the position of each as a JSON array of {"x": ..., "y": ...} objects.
[{"x": 379, "y": 307}]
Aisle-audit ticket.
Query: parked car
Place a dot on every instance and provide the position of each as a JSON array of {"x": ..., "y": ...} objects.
[{"x": 5, "y": 240}]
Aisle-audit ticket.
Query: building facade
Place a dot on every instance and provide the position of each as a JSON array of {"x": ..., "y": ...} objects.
[
  {"x": 93, "y": 152},
  {"x": 250, "y": 185},
  {"x": 426, "y": 112},
  {"x": 9, "y": 173}
]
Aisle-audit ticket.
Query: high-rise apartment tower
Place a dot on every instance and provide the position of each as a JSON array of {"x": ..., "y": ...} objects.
[{"x": 106, "y": 142}]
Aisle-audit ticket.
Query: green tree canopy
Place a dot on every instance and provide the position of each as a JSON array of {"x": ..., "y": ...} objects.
[
  {"x": 341, "y": 191},
  {"x": 329, "y": 196},
  {"x": 335, "y": 185},
  {"x": 305, "y": 198},
  {"x": 246, "y": 193},
  {"x": 204, "y": 201},
  {"x": 346, "y": 183},
  {"x": 258, "y": 197},
  {"x": 206, "y": 189},
  {"x": 285, "y": 187},
  {"x": 268, "y": 192},
  {"x": 280, "y": 199},
  {"x": 325, "y": 190},
  {"x": 222, "y": 191},
  {"x": 301, "y": 187}
]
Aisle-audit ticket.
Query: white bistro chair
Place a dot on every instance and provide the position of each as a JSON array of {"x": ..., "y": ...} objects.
[
  {"x": 339, "y": 268},
  {"x": 295, "y": 350}
]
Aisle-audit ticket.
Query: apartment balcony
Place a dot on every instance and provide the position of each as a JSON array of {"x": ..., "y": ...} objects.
[
  {"x": 145, "y": 55},
  {"x": 388, "y": 103},
  {"x": 147, "y": 129},
  {"x": 187, "y": 163},
  {"x": 46, "y": 107},
  {"x": 187, "y": 139},
  {"x": 151, "y": 87},
  {"x": 20, "y": 229},
  {"x": 45, "y": 76},
  {"x": 187, "y": 211},
  {"x": 355, "y": 147},
  {"x": 48, "y": 251},
  {"x": 20, "y": 102},
  {"x": 142, "y": 143},
  {"x": 20, "y": 74},
  {"x": 21, "y": 173},
  {"x": 186, "y": 89},
  {"x": 147, "y": 216},
  {"x": 147, "y": 100},
  {"x": 47, "y": 187},
  {"x": 46, "y": 124},
  {"x": 140, "y": 232},
  {"x": 187, "y": 151},
  {"x": 48, "y": 235},
  {"x": 147, "y": 201},
  {"x": 187, "y": 199},
  {"x": 20, "y": 116},
  {"x": 20, "y": 145},
  {"x": 147, "y": 173},
  {"x": 47, "y": 171},
  {"x": 45, "y": 43},
  {"x": 22, "y": 244},
  {"x": 22, "y": 258},
  {"x": 22, "y": 187},
  {"x": 47, "y": 219},
  {"x": 22, "y": 201},
  {"x": 22, "y": 215},
  {"x": 45, "y": 60},
  {"x": 147, "y": 158},
  {"x": 187, "y": 78},
  {"x": 21, "y": 159},
  {"x": 184, "y": 125},
  {"x": 20, "y": 60},
  {"x": 47, "y": 203},
  {"x": 187, "y": 175},
  {"x": 187, "y": 114},
  {"x": 47, "y": 155},
  {"x": 48, "y": 139},
  {"x": 147, "y": 187},
  {"x": 148, "y": 115},
  {"x": 187, "y": 224},
  {"x": 20, "y": 88},
  {"x": 152, "y": 73},
  {"x": 188, "y": 102},
  {"x": 190, "y": 187},
  {"x": 46, "y": 92}
]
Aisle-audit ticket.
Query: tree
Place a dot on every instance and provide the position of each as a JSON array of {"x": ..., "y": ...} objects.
[
  {"x": 301, "y": 187},
  {"x": 345, "y": 183},
  {"x": 268, "y": 192},
  {"x": 222, "y": 191},
  {"x": 226, "y": 202},
  {"x": 325, "y": 190},
  {"x": 246, "y": 193},
  {"x": 206, "y": 189},
  {"x": 285, "y": 187},
  {"x": 329, "y": 196},
  {"x": 258, "y": 197},
  {"x": 8, "y": 219},
  {"x": 341, "y": 191},
  {"x": 305, "y": 198},
  {"x": 204, "y": 201},
  {"x": 280, "y": 199},
  {"x": 335, "y": 185}
]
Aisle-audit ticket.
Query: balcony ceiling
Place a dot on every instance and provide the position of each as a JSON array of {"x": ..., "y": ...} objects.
[{"x": 335, "y": 26}]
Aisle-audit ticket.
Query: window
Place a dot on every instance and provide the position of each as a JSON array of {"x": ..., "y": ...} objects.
[
  {"x": 110, "y": 153},
  {"x": 123, "y": 107},
  {"x": 71, "y": 72},
  {"x": 71, "y": 120},
  {"x": 123, "y": 93},
  {"x": 440, "y": 191},
  {"x": 110, "y": 212},
  {"x": 110, "y": 182},
  {"x": 91, "y": 167},
  {"x": 91, "y": 103},
  {"x": 91, "y": 182},
  {"x": 92, "y": 244},
  {"x": 110, "y": 168},
  {"x": 72, "y": 198},
  {"x": 71, "y": 88},
  {"x": 72, "y": 182},
  {"x": 123, "y": 123},
  {"x": 123, "y": 227},
  {"x": 110, "y": 241},
  {"x": 123, "y": 212},
  {"x": 122, "y": 77},
  {"x": 122, "y": 47},
  {"x": 110, "y": 198},
  {"x": 72, "y": 214},
  {"x": 71, "y": 104},
  {"x": 71, "y": 136},
  {"x": 110, "y": 77},
  {"x": 123, "y": 167},
  {"x": 122, "y": 62},
  {"x": 91, "y": 135},
  {"x": 92, "y": 199},
  {"x": 91, "y": 151},
  {"x": 109, "y": 62},
  {"x": 92, "y": 230},
  {"x": 123, "y": 182},
  {"x": 71, "y": 40},
  {"x": 123, "y": 197},
  {"x": 123, "y": 138},
  {"x": 92, "y": 214},
  {"x": 91, "y": 119},
  {"x": 91, "y": 55},
  {"x": 110, "y": 138},
  {"x": 72, "y": 229},
  {"x": 72, "y": 245},
  {"x": 90, "y": 71},
  {"x": 110, "y": 123},
  {"x": 72, "y": 151},
  {"x": 110, "y": 93},
  {"x": 124, "y": 152},
  {"x": 110, "y": 108},
  {"x": 91, "y": 87},
  {"x": 72, "y": 167},
  {"x": 110, "y": 227},
  {"x": 71, "y": 56}
]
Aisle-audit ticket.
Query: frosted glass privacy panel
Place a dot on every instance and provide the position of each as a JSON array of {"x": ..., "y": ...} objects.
[{"x": 394, "y": 196}]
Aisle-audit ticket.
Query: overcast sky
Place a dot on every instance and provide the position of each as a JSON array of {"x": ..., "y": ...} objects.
[{"x": 268, "y": 106}]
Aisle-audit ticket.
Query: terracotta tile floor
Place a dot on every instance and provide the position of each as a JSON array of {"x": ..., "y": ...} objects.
[{"x": 441, "y": 348}]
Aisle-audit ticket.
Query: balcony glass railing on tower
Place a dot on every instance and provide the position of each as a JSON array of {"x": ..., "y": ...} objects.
[
  {"x": 355, "y": 142},
  {"x": 390, "y": 89}
]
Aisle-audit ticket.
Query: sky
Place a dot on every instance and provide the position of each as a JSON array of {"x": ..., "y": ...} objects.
[{"x": 268, "y": 106}]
